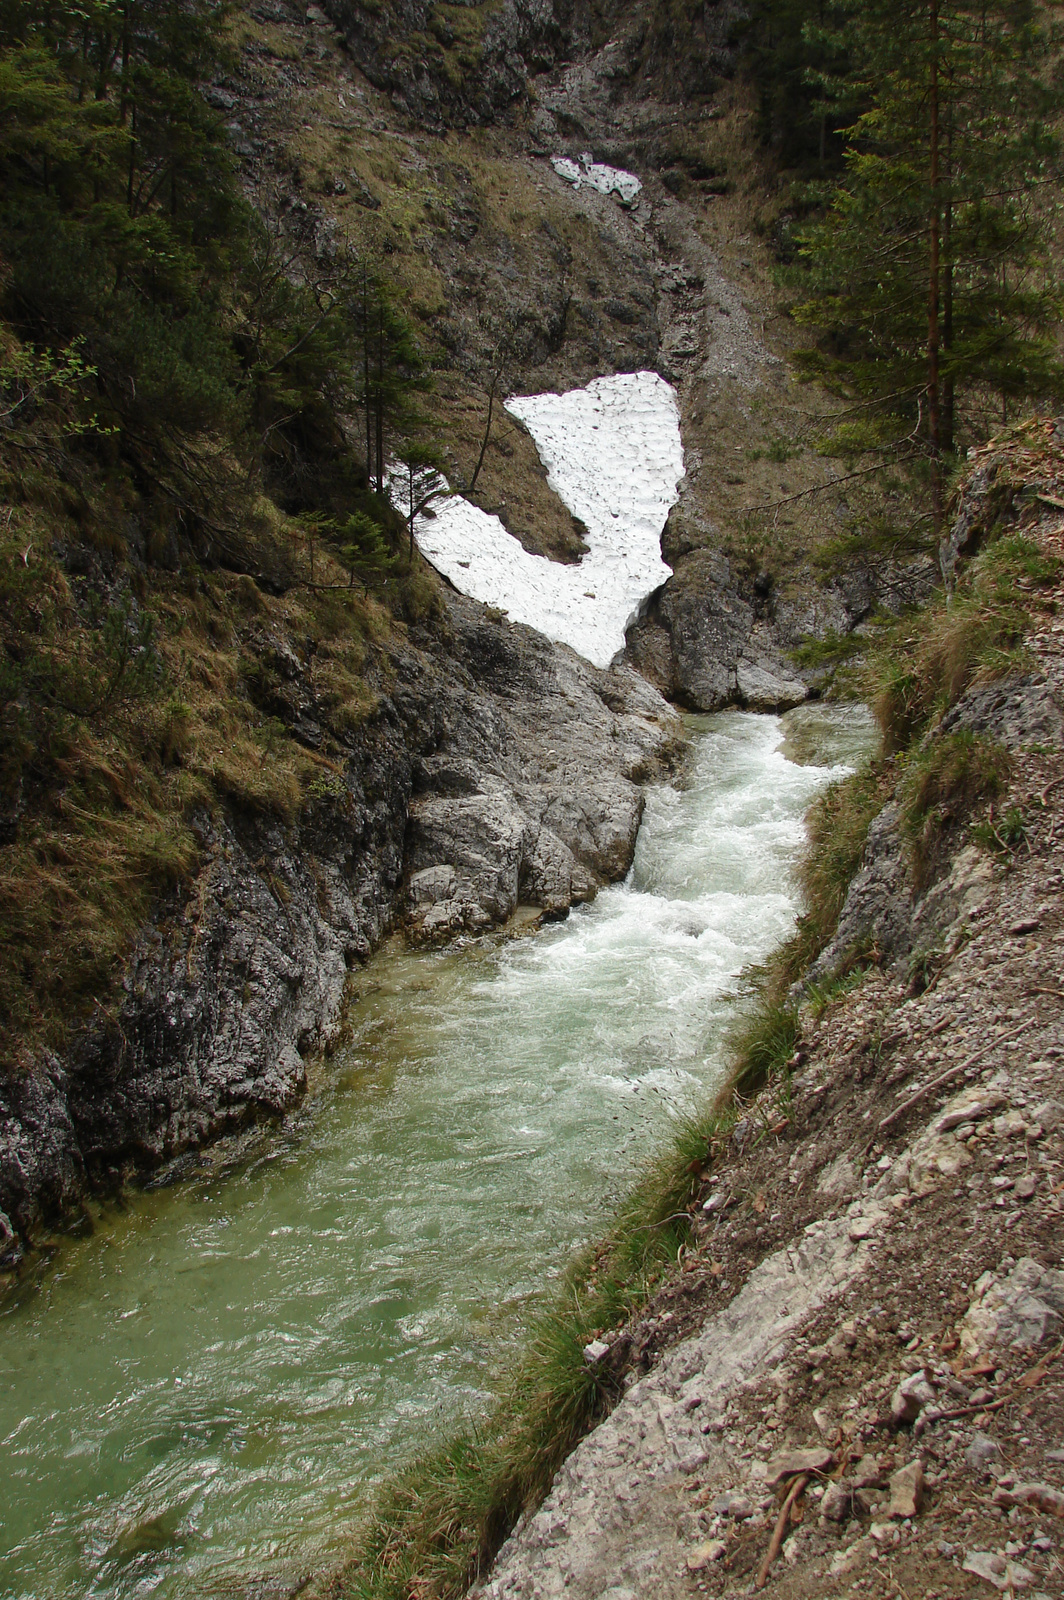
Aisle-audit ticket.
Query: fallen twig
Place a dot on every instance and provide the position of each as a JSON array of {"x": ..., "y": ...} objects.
[
  {"x": 953, "y": 1072},
  {"x": 797, "y": 1485},
  {"x": 1026, "y": 1380}
]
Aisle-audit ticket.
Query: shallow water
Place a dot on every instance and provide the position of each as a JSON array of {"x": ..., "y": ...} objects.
[{"x": 198, "y": 1394}]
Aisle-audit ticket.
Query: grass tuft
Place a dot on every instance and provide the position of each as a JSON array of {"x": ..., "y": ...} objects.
[
  {"x": 926, "y": 662},
  {"x": 944, "y": 779}
]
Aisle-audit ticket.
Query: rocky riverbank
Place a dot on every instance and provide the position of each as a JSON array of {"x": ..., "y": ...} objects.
[
  {"x": 500, "y": 770},
  {"x": 853, "y": 1380}
]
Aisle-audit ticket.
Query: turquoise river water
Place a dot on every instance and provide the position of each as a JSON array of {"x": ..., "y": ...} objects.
[{"x": 193, "y": 1400}]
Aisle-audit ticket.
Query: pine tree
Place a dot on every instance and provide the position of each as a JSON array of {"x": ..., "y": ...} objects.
[{"x": 929, "y": 290}]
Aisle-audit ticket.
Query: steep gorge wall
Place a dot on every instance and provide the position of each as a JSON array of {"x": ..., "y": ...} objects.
[{"x": 499, "y": 770}]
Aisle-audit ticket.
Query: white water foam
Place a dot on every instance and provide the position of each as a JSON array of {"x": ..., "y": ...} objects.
[{"x": 613, "y": 454}]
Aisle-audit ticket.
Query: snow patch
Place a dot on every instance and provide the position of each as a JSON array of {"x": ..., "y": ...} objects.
[
  {"x": 614, "y": 456},
  {"x": 607, "y": 180}
]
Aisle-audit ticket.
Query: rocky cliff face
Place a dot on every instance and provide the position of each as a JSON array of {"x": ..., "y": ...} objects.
[{"x": 500, "y": 770}]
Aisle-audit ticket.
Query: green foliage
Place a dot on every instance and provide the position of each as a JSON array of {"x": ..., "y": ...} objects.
[
  {"x": 763, "y": 1044},
  {"x": 924, "y": 279},
  {"x": 83, "y": 656},
  {"x": 1002, "y": 836},
  {"x": 924, "y": 663},
  {"x": 796, "y": 55},
  {"x": 830, "y": 650},
  {"x": 946, "y": 777}
]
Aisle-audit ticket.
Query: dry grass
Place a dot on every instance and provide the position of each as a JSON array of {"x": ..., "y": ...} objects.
[
  {"x": 108, "y": 800},
  {"x": 925, "y": 663}
]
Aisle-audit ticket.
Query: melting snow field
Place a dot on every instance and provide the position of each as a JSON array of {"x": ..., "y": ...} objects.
[
  {"x": 613, "y": 454},
  {"x": 607, "y": 180}
]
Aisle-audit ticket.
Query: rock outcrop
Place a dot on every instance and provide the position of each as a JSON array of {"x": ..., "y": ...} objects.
[{"x": 500, "y": 769}]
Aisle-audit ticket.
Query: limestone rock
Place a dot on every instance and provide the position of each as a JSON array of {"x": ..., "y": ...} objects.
[
  {"x": 1020, "y": 1310},
  {"x": 732, "y": 1504},
  {"x": 998, "y": 1570},
  {"x": 907, "y": 1490},
  {"x": 910, "y": 1397},
  {"x": 1040, "y": 1495},
  {"x": 983, "y": 1454},
  {"x": 705, "y": 1555},
  {"x": 817, "y": 1459},
  {"x": 971, "y": 1105},
  {"x": 499, "y": 769}
]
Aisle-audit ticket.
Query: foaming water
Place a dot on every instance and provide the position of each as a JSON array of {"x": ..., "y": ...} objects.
[{"x": 196, "y": 1396}]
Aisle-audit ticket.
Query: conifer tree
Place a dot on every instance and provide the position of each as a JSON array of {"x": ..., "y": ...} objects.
[{"x": 930, "y": 293}]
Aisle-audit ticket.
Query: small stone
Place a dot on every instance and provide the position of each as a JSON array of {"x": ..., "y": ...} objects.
[
  {"x": 1041, "y": 1495},
  {"x": 968, "y": 1106},
  {"x": 1002, "y": 1573},
  {"x": 1025, "y": 925},
  {"x": 818, "y": 1459},
  {"x": 909, "y": 1398},
  {"x": 714, "y": 1202},
  {"x": 907, "y": 1490},
  {"x": 1049, "y": 1115},
  {"x": 983, "y": 1454},
  {"x": 734, "y": 1505},
  {"x": 861, "y": 1228},
  {"x": 868, "y": 1474},
  {"x": 1025, "y": 1186},
  {"x": 837, "y": 1504},
  {"x": 705, "y": 1555},
  {"x": 595, "y": 1351}
]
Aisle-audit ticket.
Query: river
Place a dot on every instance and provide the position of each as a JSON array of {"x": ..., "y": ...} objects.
[{"x": 197, "y": 1395}]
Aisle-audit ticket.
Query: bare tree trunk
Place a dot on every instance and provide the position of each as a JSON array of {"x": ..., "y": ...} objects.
[
  {"x": 487, "y": 429},
  {"x": 934, "y": 401},
  {"x": 380, "y": 400}
]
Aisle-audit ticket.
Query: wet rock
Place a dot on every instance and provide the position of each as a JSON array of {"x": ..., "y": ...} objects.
[{"x": 10, "y": 1247}]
